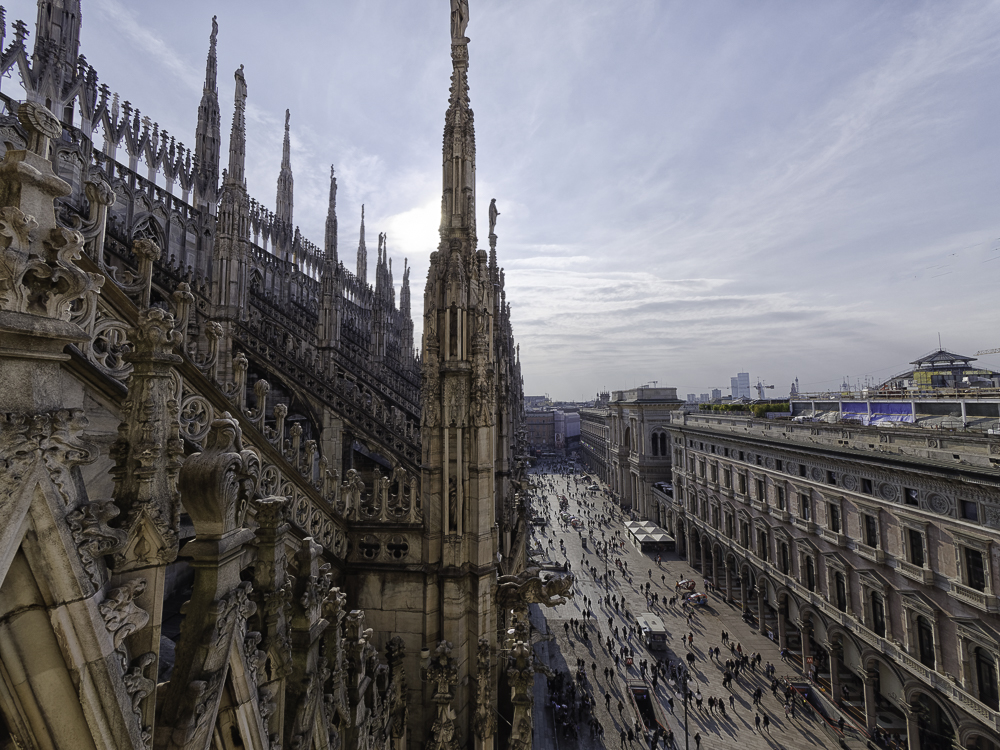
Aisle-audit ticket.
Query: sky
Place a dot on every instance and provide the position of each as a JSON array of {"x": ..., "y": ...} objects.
[{"x": 686, "y": 189}]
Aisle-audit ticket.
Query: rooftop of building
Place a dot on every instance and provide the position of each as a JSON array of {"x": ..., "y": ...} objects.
[
  {"x": 952, "y": 448},
  {"x": 646, "y": 394}
]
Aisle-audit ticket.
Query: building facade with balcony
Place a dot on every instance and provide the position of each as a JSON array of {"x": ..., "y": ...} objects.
[
  {"x": 594, "y": 440},
  {"x": 639, "y": 447},
  {"x": 871, "y": 553}
]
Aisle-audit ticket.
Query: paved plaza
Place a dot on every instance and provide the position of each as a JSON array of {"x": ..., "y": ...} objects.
[{"x": 565, "y": 644}]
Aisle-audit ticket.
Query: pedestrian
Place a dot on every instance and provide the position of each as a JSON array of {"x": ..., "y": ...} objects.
[
  {"x": 624, "y": 736},
  {"x": 697, "y": 740},
  {"x": 621, "y": 708},
  {"x": 732, "y": 701},
  {"x": 767, "y": 723},
  {"x": 756, "y": 721},
  {"x": 607, "y": 701}
]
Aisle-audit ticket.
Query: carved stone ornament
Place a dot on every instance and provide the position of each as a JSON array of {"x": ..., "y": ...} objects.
[
  {"x": 52, "y": 438},
  {"x": 40, "y": 276},
  {"x": 93, "y": 536},
  {"x": 122, "y": 616},
  {"x": 218, "y": 483},
  {"x": 532, "y": 586},
  {"x": 484, "y": 722}
]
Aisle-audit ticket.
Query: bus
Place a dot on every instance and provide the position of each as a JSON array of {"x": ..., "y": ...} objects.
[{"x": 654, "y": 635}]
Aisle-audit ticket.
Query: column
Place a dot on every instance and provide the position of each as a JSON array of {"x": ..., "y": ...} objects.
[
  {"x": 868, "y": 679},
  {"x": 805, "y": 630},
  {"x": 912, "y": 729},
  {"x": 729, "y": 582},
  {"x": 783, "y": 624},
  {"x": 761, "y": 605},
  {"x": 715, "y": 572},
  {"x": 836, "y": 651},
  {"x": 704, "y": 558},
  {"x": 743, "y": 594}
]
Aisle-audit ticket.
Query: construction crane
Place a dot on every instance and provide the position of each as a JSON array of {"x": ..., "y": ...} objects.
[
  {"x": 982, "y": 352},
  {"x": 760, "y": 388}
]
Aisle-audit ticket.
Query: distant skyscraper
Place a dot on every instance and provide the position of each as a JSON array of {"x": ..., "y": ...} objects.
[
  {"x": 740, "y": 385},
  {"x": 692, "y": 398},
  {"x": 716, "y": 394},
  {"x": 704, "y": 398}
]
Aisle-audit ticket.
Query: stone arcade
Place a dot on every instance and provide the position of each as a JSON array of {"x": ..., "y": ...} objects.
[{"x": 236, "y": 509}]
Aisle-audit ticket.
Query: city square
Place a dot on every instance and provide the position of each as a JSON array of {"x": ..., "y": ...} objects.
[{"x": 804, "y": 730}]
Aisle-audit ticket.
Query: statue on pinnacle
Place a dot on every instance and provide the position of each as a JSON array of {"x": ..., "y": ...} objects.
[{"x": 459, "y": 19}]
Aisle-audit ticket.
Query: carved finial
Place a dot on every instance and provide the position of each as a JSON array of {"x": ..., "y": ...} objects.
[{"x": 41, "y": 125}]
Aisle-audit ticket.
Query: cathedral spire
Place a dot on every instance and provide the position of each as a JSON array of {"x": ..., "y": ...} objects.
[
  {"x": 404, "y": 291},
  {"x": 362, "y": 251},
  {"x": 458, "y": 211},
  {"x": 208, "y": 140},
  {"x": 283, "y": 204},
  {"x": 58, "y": 32},
  {"x": 331, "y": 220},
  {"x": 238, "y": 135}
]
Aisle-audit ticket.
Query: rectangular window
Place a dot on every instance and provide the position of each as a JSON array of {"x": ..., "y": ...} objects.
[
  {"x": 834, "y": 519},
  {"x": 741, "y": 455},
  {"x": 727, "y": 478},
  {"x": 802, "y": 470},
  {"x": 866, "y": 486},
  {"x": 975, "y": 572},
  {"x": 744, "y": 534},
  {"x": 970, "y": 510},
  {"x": 810, "y": 573},
  {"x": 805, "y": 507},
  {"x": 729, "y": 526},
  {"x": 871, "y": 531},
  {"x": 831, "y": 478},
  {"x": 779, "y": 465},
  {"x": 714, "y": 471},
  {"x": 701, "y": 469},
  {"x": 784, "y": 558},
  {"x": 743, "y": 483},
  {"x": 780, "y": 492},
  {"x": 910, "y": 496},
  {"x": 761, "y": 491},
  {"x": 878, "y": 615},
  {"x": 760, "y": 461},
  {"x": 916, "y": 540}
]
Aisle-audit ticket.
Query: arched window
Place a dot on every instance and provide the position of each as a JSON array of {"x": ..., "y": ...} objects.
[
  {"x": 656, "y": 444},
  {"x": 663, "y": 444},
  {"x": 878, "y": 615},
  {"x": 986, "y": 674},
  {"x": 925, "y": 642}
]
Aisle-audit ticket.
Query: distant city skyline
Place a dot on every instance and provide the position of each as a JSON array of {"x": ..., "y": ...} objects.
[{"x": 793, "y": 189}]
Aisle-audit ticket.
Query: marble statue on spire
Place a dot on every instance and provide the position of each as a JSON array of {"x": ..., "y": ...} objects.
[
  {"x": 459, "y": 19},
  {"x": 493, "y": 215}
]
